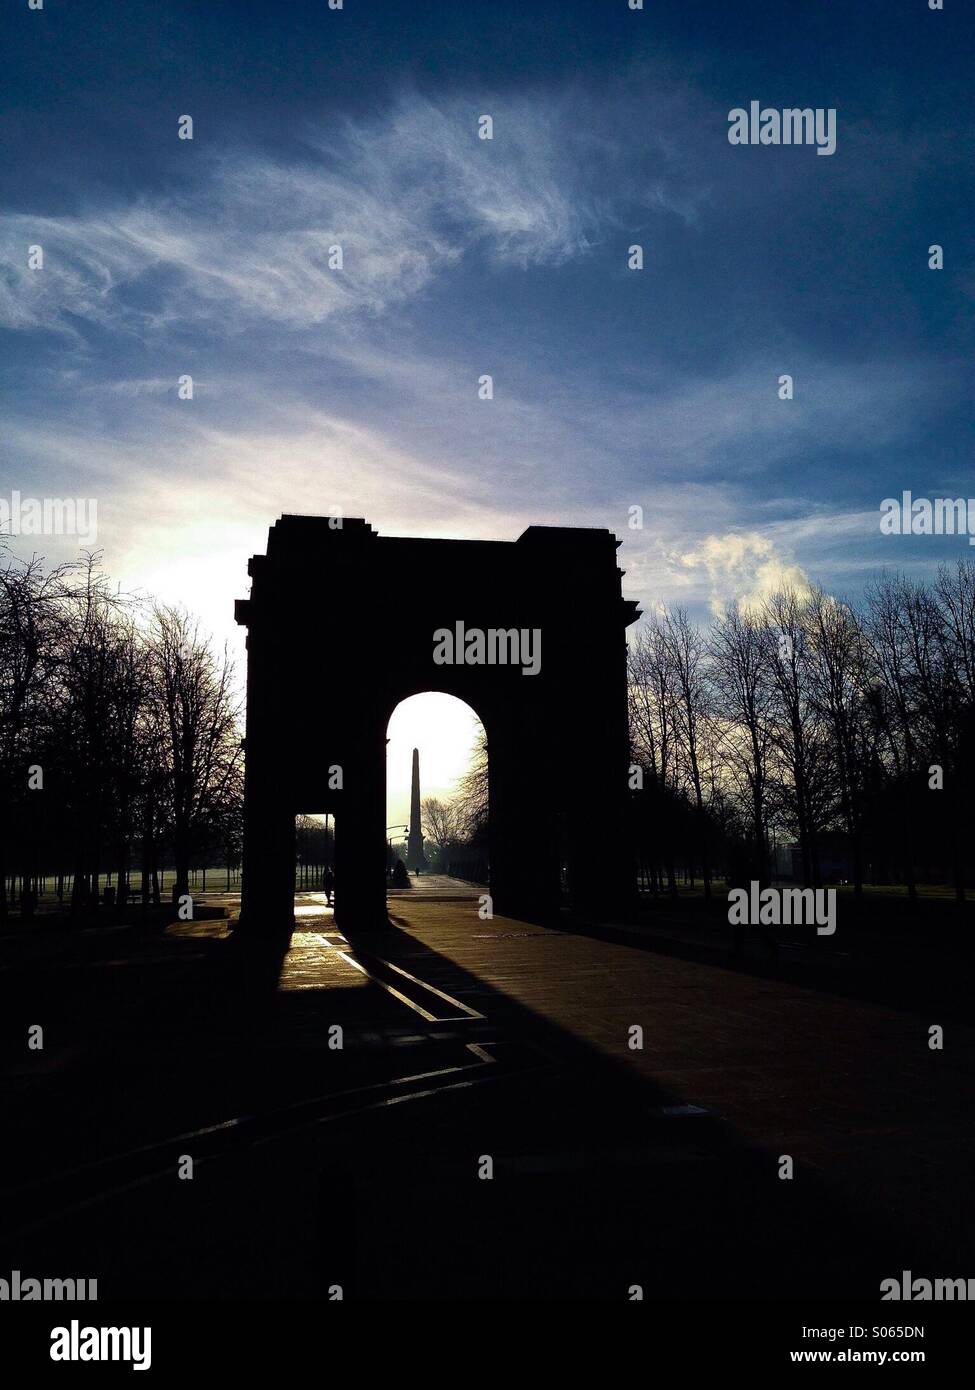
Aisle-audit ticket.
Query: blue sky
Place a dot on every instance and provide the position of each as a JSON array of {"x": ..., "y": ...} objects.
[{"x": 316, "y": 388}]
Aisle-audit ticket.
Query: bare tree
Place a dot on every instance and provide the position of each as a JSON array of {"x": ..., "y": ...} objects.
[
  {"x": 841, "y": 675},
  {"x": 442, "y": 822},
  {"x": 471, "y": 803},
  {"x": 894, "y": 703},
  {"x": 31, "y": 623},
  {"x": 685, "y": 653},
  {"x": 954, "y": 593},
  {"x": 742, "y": 672},
  {"x": 798, "y": 728},
  {"x": 200, "y": 718},
  {"x": 653, "y": 701}
]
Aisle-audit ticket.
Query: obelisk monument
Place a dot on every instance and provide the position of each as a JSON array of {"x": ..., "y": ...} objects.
[{"x": 415, "y": 858}]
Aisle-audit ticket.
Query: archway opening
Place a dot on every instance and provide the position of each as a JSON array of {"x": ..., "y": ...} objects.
[
  {"x": 314, "y": 863},
  {"x": 439, "y": 741}
]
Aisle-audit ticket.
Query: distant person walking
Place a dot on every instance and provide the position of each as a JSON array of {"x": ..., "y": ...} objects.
[{"x": 328, "y": 882}]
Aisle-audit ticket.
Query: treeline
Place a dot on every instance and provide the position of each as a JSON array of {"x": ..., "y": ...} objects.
[
  {"x": 846, "y": 730},
  {"x": 456, "y": 831},
  {"x": 120, "y": 741},
  {"x": 314, "y": 851}
]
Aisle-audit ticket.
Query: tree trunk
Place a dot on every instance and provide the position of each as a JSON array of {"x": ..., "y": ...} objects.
[{"x": 181, "y": 855}]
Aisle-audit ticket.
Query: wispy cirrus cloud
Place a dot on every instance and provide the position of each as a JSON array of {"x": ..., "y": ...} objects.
[
  {"x": 250, "y": 239},
  {"x": 139, "y": 269}
]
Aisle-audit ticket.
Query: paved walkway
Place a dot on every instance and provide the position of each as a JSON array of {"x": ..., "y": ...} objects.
[
  {"x": 612, "y": 1165},
  {"x": 851, "y": 1090},
  {"x": 440, "y": 886}
]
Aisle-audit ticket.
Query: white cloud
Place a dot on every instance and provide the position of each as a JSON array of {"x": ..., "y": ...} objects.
[{"x": 745, "y": 567}]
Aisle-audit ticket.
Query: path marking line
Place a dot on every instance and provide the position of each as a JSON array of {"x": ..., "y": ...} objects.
[{"x": 465, "y": 1011}]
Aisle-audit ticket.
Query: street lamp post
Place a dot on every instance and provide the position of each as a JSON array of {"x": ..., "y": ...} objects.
[{"x": 389, "y": 841}]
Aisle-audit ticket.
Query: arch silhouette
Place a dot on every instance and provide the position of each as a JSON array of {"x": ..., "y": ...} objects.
[{"x": 326, "y": 669}]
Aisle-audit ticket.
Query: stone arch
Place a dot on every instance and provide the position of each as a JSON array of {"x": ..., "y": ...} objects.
[{"x": 325, "y": 671}]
